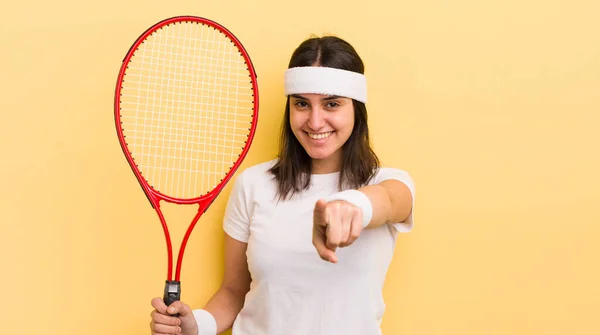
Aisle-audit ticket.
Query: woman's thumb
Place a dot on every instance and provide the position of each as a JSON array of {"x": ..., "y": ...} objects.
[{"x": 180, "y": 308}]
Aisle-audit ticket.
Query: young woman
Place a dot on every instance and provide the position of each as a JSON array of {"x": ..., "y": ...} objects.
[{"x": 309, "y": 235}]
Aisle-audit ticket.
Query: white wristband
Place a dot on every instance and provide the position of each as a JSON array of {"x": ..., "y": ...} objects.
[
  {"x": 207, "y": 325},
  {"x": 358, "y": 199}
]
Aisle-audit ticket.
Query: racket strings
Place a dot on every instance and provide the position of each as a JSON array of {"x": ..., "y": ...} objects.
[{"x": 186, "y": 108}]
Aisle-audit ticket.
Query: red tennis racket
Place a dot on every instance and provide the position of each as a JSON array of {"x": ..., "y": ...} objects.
[{"x": 186, "y": 107}]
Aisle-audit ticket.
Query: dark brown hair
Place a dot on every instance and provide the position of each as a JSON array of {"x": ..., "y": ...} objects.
[{"x": 293, "y": 168}]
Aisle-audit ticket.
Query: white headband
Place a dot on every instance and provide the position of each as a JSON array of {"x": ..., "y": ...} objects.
[{"x": 326, "y": 80}]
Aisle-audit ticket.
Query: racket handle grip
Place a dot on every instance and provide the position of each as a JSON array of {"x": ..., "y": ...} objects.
[{"x": 172, "y": 292}]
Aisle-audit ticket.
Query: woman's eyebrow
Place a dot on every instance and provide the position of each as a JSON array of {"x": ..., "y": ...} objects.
[{"x": 327, "y": 98}]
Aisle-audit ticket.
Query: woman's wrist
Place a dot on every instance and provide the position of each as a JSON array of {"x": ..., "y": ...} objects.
[
  {"x": 358, "y": 199},
  {"x": 207, "y": 324}
]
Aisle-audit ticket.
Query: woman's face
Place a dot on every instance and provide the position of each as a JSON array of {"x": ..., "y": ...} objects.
[{"x": 322, "y": 124}]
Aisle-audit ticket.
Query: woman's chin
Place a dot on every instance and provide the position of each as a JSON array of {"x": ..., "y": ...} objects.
[{"x": 321, "y": 154}]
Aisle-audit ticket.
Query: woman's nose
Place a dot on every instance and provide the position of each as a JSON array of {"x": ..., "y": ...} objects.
[{"x": 316, "y": 119}]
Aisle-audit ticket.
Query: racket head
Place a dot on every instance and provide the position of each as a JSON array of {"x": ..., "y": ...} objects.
[{"x": 186, "y": 109}]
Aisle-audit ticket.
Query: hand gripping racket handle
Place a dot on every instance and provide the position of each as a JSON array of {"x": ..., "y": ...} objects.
[{"x": 172, "y": 292}]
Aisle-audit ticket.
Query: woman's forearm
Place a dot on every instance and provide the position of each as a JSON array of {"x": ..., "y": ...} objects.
[{"x": 224, "y": 307}]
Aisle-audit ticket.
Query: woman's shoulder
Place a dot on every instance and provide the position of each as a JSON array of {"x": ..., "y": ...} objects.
[{"x": 385, "y": 173}]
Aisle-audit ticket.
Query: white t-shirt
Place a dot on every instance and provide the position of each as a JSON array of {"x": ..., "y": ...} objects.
[{"x": 294, "y": 291}]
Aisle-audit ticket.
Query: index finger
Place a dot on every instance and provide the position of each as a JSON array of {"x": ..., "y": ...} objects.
[
  {"x": 159, "y": 305},
  {"x": 324, "y": 252}
]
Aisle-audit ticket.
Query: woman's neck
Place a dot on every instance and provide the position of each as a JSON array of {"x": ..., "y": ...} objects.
[{"x": 330, "y": 164}]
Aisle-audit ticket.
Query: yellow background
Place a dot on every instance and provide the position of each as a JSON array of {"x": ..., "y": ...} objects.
[{"x": 492, "y": 106}]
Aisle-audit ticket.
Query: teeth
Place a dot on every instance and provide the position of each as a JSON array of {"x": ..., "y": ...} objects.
[{"x": 319, "y": 136}]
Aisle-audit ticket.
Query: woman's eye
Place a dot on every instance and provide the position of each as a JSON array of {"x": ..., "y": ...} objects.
[
  {"x": 301, "y": 104},
  {"x": 332, "y": 104}
]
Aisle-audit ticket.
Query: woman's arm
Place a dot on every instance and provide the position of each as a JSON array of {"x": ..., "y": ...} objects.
[
  {"x": 391, "y": 201},
  {"x": 339, "y": 220},
  {"x": 227, "y": 302}
]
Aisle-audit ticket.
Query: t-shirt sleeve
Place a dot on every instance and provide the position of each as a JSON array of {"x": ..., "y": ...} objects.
[
  {"x": 402, "y": 176},
  {"x": 236, "y": 221}
]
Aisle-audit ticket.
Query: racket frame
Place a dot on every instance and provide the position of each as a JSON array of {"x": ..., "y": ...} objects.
[{"x": 172, "y": 287}]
